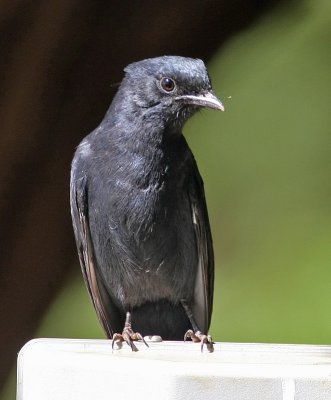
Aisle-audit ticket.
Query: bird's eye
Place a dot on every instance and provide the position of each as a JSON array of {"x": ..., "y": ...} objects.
[{"x": 167, "y": 84}]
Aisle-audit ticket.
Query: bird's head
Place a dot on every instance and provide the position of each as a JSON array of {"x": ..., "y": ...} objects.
[{"x": 170, "y": 88}]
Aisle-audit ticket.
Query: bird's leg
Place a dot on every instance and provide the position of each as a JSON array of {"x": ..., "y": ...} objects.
[
  {"x": 195, "y": 334},
  {"x": 128, "y": 335}
]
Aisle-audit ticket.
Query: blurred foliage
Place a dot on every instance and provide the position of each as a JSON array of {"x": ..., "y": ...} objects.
[
  {"x": 266, "y": 167},
  {"x": 267, "y": 178}
]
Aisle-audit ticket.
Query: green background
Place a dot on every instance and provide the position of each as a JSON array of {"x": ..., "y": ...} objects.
[{"x": 266, "y": 166}]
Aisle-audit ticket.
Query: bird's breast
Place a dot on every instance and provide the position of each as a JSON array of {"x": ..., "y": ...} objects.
[{"x": 143, "y": 230}]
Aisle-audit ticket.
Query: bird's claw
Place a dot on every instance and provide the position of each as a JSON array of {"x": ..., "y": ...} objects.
[
  {"x": 129, "y": 337},
  {"x": 200, "y": 337}
]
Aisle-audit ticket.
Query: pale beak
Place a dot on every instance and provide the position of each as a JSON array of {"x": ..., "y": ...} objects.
[{"x": 207, "y": 99}]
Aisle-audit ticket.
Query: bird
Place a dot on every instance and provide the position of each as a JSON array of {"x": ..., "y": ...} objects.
[{"x": 139, "y": 210}]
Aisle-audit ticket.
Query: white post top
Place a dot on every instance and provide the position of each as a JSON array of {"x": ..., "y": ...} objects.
[{"x": 70, "y": 369}]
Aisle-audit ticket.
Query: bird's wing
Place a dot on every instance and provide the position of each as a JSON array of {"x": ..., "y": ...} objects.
[
  {"x": 204, "y": 285},
  {"x": 102, "y": 303}
]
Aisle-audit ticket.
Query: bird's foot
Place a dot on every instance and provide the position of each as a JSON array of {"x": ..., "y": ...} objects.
[
  {"x": 128, "y": 336},
  {"x": 200, "y": 337}
]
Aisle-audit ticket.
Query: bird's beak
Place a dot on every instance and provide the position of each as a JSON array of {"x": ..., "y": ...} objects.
[{"x": 206, "y": 99}]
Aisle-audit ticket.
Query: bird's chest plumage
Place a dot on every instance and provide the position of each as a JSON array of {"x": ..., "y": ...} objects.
[{"x": 142, "y": 229}]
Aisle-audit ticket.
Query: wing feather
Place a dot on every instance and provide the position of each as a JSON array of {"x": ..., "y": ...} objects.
[
  {"x": 103, "y": 305},
  {"x": 204, "y": 285}
]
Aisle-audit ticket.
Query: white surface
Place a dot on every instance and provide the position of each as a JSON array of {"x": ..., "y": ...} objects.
[{"x": 61, "y": 369}]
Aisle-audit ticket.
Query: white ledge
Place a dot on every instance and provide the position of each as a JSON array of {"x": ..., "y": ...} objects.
[{"x": 61, "y": 369}]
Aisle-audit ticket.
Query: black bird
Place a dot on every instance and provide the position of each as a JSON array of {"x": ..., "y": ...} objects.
[{"x": 138, "y": 207}]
